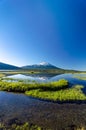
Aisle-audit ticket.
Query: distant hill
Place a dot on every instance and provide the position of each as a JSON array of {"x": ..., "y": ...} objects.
[
  {"x": 43, "y": 65},
  {"x": 4, "y": 66}
]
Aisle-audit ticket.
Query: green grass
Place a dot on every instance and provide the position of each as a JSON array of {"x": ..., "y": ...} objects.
[
  {"x": 22, "y": 87},
  {"x": 25, "y": 126},
  {"x": 74, "y": 93},
  {"x": 57, "y": 91}
]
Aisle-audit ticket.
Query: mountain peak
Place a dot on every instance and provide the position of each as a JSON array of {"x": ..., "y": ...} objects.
[{"x": 44, "y": 63}]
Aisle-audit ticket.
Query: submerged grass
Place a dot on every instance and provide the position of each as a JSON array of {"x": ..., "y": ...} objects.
[
  {"x": 80, "y": 77},
  {"x": 25, "y": 126},
  {"x": 30, "y": 126}
]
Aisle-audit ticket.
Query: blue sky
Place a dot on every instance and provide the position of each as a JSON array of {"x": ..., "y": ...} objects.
[{"x": 32, "y": 31}]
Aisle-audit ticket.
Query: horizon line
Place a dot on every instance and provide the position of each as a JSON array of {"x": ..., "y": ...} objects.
[{"x": 41, "y": 62}]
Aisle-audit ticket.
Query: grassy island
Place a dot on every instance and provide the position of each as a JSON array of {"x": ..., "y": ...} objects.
[
  {"x": 56, "y": 90},
  {"x": 68, "y": 94}
]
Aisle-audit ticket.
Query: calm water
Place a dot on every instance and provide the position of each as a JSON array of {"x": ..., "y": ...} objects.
[
  {"x": 50, "y": 77},
  {"x": 20, "y": 108},
  {"x": 42, "y": 113}
]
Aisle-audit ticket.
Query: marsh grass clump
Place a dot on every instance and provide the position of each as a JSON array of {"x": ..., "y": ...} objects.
[
  {"x": 25, "y": 126},
  {"x": 57, "y": 90},
  {"x": 69, "y": 94},
  {"x": 53, "y": 86},
  {"x": 22, "y": 87}
]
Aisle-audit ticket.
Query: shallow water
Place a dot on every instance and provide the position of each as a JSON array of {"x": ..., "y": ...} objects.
[
  {"x": 35, "y": 77},
  {"x": 47, "y": 115},
  {"x": 42, "y": 113},
  {"x": 49, "y": 78}
]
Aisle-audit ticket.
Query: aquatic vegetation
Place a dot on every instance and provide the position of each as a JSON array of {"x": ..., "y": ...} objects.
[
  {"x": 25, "y": 126},
  {"x": 7, "y": 79},
  {"x": 69, "y": 94},
  {"x": 80, "y": 77},
  {"x": 56, "y": 90},
  {"x": 22, "y": 87},
  {"x": 2, "y": 75}
]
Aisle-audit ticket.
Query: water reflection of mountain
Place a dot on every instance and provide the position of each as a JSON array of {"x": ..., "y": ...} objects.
[
  {"x": 42, "y": 76},
  {"x": 36, "y": 77}
]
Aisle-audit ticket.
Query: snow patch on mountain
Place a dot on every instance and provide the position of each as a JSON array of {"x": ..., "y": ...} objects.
[{"x": 44, "y": 63}]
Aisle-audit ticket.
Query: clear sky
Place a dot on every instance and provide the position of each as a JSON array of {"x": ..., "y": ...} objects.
[{"x": 32, "y": 31}]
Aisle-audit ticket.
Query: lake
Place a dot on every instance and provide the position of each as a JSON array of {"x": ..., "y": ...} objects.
[
  {"x": 20, "y": 108},
  {"x": 49, "y": 77},
  {"x": 48, "y": 115}
]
